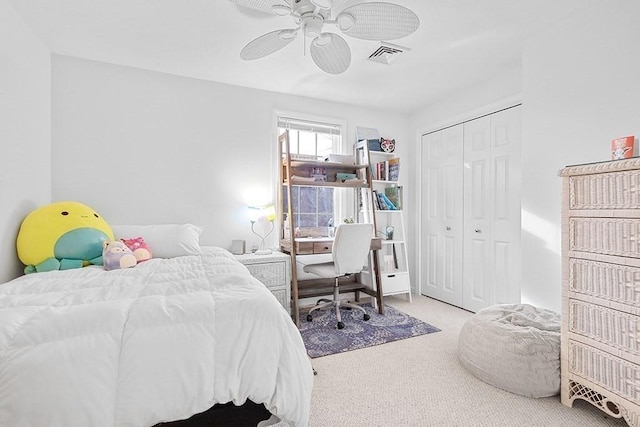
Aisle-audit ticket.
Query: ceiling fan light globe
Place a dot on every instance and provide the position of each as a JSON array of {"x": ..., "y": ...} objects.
[
  {"x": 312, "y": 32},
  {"x": 322, "y": 40},
  {"x": 287, "y": 34},
  {"x": 312, "y": 26},
  {"x": 280, "y": 10},
  {"x": 345, "y": 21}
]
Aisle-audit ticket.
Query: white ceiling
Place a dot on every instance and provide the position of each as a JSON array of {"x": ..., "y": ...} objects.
[{"x": 458, "y": 43}]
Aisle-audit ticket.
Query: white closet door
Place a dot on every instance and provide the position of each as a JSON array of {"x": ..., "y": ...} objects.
[
  {"x": 492, "y": 210},
  {"x": 441, "y": 220},
  {"x": 477, "y": 256},
  {"x": 506, "y": 223}
]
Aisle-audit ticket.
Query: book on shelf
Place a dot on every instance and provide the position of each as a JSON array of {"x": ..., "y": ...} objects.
[
  {"x": 376, "y": 200},
  {"x": 394, "y": 194},
  {"x": 393, "y": 169},
  {"x": 382, "y": 170},
  {"x": 381, "y": 204},
  {"x": 385, "y": 200},
  {"x": 387, "y": 170},
  {"x": 622, "y": 148}
]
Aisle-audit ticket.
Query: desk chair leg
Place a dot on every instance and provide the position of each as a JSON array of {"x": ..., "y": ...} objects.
[
  {"x": 338, "y": 304},
  {"x": 348, "y": 305},
  {"x": 336, "y": 300},
  {"x": 319, "y": 307},
  {"x": 344, "y": 304}
]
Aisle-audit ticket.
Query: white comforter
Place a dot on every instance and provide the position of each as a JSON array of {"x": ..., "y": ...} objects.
[{"x": 158, "y": 342}]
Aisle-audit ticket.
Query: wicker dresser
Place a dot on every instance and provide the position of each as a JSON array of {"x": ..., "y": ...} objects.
[{"x": 600, "y": 356}]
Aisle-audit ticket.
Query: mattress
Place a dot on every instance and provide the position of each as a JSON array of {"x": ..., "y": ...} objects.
[{"x": 159, "y": 342}]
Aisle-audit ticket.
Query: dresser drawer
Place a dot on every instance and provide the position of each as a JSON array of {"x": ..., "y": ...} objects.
[
  {"x": 282, "y": 295},
  {"x": 273, "y": 270},
  {"x": 610, "y": 327},
  {"x": 604, "y": 369},
  {"x": 395, "y": 283},
  {"x": 302, "y": 248},
  {"x": 608, "y": 236},
  {"x": 612, "y": 282},
  {"x": 271, "y": 274},
  {"x": 613, "y": 190},
  {"x": 322, "y": 247}
]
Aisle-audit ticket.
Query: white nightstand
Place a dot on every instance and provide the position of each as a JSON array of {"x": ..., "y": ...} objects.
[{"x": 274, "y": 271}]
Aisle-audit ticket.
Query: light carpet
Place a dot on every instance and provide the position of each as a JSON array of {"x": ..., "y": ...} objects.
[{"x": 419, "y": 382}]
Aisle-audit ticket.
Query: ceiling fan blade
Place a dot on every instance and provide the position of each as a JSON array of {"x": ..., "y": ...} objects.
[
  {"x": 267, "y": 44},
  {"x": 331, "y": 53},
  {"x": 377, "y": 21},
  {"x": 266, "y": 6}
]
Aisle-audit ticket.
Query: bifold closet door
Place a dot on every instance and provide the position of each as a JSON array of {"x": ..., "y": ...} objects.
[
  {"x": 477, "y": 259},
  {"x": 441, "y": 219},
  {"x": 491, "y": 230}
]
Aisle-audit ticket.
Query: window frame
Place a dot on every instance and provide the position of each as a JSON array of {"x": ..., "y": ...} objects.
[{"x": 338, "y": 146}]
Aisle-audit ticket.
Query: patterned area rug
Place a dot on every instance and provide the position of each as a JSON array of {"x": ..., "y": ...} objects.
[{"x": 322, "y": 337}]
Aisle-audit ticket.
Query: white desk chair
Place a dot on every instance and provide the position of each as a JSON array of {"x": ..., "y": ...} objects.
[{"x": 349, "y": 252}]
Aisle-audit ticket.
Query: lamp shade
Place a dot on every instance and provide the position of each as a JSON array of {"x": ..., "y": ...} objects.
[
  {"x": 253, "y": 213},
  {"x": 269, "y": 212},
  {"x": 257, "y": 213}
]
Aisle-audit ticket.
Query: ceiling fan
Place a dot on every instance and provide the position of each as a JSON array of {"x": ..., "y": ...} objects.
[{"x": 330, "y": 52}]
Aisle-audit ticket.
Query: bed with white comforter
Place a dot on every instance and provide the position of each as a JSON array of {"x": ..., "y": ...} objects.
[{"x": 159, "y": 342}]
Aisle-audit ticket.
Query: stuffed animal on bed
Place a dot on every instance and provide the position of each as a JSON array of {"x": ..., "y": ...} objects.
[
  {"x": 61, "y": 236},
  {"x": 116, "y": 255},
  {"x": 139, "y": 247}
]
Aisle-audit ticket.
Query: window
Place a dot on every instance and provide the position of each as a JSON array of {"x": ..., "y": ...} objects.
[{"x": 313, "y": 207}]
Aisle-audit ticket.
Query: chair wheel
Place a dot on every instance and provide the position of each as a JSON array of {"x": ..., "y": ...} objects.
[
  {"x": 340, "y": 325},
  {"x": 366, "y": 316},
  {"x": 309, "y": 318}
]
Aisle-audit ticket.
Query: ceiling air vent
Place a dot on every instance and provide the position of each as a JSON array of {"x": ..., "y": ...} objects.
[{"x": 387, "y": 53}]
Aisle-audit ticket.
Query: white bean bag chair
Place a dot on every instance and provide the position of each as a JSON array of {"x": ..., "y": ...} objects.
[{"x": 515, "y": 347}]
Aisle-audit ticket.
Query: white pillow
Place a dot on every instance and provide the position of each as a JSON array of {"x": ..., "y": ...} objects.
[{"x": 164, "y": 240}]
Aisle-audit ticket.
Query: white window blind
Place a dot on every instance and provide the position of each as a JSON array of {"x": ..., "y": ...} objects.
[{"x": 309, "y": 126}]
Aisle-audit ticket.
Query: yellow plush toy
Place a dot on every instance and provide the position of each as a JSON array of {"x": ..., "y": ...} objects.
[{"x": 60, "y": 236}]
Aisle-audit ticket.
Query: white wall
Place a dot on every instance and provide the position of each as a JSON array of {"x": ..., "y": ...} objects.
[
  {"x": 144, "y": 147},
  {"x": 25, "y": 105},
  {"x": 580, "y": 89},
  {"x": 469, "y": 102}
]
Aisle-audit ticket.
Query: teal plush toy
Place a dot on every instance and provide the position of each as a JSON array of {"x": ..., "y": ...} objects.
[{"x": 61, "y": 236}]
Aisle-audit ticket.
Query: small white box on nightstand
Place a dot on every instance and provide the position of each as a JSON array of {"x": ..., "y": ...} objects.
[{"x": 238, "y": 247}]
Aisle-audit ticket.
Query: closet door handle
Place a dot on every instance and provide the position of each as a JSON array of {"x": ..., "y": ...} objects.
[
  {"x": 448, "y": 228},
  {"x": 477, "y": 230}
]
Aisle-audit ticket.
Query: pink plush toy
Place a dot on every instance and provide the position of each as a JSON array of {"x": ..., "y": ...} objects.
[
  {"x": 117, "y": 255},
  {"x": 139, "y": 248}
]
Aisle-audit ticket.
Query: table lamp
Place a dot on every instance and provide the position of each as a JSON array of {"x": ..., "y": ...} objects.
[{"x": 266, "y": 216}]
